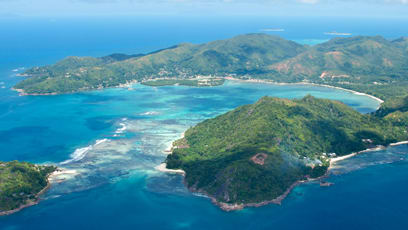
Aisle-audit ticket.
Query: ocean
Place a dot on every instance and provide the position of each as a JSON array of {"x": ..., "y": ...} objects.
[{"x": 114, "y": 138}]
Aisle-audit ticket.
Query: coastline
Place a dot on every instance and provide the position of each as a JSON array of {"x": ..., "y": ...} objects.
[
  {"x": 130, "y": 83},
  {"x": 123, "y": 85},
  {"x": 278, "y": 200},
  {"x": 333, "y": 161},
  {"x": 30, "y": 202},
  {"x": 62, "y": 174},
  {"x": 305, "y": 83},
  {"x": 399, "y": 143},
  {"x": 163, "y": 166}
]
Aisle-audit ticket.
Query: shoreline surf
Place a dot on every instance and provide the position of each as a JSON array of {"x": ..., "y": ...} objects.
[
  {"x": 129, "y": 84},
  {"x": 278, "y": 200},
  {"x": 306, "y": 83}
]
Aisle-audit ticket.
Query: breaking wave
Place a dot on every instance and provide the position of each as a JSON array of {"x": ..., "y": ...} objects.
[
  {"x": 80, "y": 153},
  {"x": 110, "y": 159},
  {"x": 149, "y": 113},
  {"x": 388, "y": 155}
]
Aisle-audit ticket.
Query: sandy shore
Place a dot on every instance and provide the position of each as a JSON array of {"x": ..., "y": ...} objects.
[
  {"x": 62, "y": 174},
  {"x": 167, "y": 151},
  {"x": 333, "y": 161},
  {"x": 399, "y": 143},
  {"x": 130, "y": 83},
  {"x": 305, "y": 83},
  {"x": 169, "y": 148},
  {"x": 162, "y": 168}
]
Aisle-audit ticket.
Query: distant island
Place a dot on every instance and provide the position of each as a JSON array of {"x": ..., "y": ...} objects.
[
  {"x": 21, "y": 184},
  {"x": 371, "y": 65},
  {"x": 254, "y": 155}
]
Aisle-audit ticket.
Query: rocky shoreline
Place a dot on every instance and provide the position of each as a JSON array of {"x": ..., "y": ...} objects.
[
  {"x": 234, "y": 207},
  {"x": 278, "y": 200}
]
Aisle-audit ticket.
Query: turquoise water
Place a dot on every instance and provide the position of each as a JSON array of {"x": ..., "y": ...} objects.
[{"x": 113, "y": 139}]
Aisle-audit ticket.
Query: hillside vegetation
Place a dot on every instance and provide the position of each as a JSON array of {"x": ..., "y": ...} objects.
[
  {"x": 256, "y": 152},
  {"x": 20, "y": 183},
  {"x": 245, "y": 54},
  {"x": 372, "y": 65}
]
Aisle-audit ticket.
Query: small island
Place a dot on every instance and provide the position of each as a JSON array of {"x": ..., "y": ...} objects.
[
  {"x": 21, "y": 185},
  {"x": 254, "y": 155}
]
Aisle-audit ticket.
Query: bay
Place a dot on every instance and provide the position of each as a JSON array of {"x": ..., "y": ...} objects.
[{"x": 115, "y": 137}]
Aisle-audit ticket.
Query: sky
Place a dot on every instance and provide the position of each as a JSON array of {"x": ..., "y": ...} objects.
[{"x": 67, "y": 8}]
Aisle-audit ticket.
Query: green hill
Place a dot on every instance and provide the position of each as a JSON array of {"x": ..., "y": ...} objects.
[
  {"x": 392, "y": 105},
  {"x": 372, "y": 65},
  {"x": 241, "y": 55},
  {"x": 20, "y": 183},
  {"x": 256, "y": 152}
]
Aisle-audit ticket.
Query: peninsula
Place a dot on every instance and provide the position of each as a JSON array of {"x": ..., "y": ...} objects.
[
  {"x": 21, "y": 184},
  {"x": 255, "y": 154}
]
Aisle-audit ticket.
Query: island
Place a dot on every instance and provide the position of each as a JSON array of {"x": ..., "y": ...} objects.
[
  {"x": 21, "y": 185},
  {"x": 255, "y": 154},
  {"x": 367, "y": 64}
]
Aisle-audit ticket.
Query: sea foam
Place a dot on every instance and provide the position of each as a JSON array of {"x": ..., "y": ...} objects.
[
  {"x": 149, "y": 113},
  {"x": 80, "y": 153},
  {"x": 123, "y": 127}
]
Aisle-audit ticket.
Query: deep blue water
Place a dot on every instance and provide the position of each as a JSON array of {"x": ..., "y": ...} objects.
[{"x": 113, "y": 139}]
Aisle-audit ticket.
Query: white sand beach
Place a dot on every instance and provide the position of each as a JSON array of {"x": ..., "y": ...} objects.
[{"x": 162, "y": 168}]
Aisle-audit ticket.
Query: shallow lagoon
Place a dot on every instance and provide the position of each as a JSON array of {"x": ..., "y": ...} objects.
[
  {"x": 114, "y": 138},
  {"x": 118, "y": 187}
]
